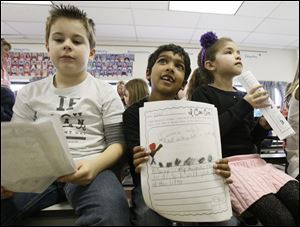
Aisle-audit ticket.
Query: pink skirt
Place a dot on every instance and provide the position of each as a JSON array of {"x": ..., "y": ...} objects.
[{"x": 253, "y": 178}]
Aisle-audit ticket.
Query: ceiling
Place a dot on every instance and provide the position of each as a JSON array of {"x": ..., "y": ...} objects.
[{"x": 272, "y": 24}]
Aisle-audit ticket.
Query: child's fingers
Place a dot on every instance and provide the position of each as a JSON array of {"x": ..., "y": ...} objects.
[
  {"x": 222, "y": 167},
  {"x": 228, "y": 181},
  {"x": 222, "y": 161},
  {"x": 140, "y": 154},
  {"x": 253, "y": 90},
  {"x": 138, "y": 149},
  {"x": 139, "y": 161},
  {"x": 223, "y": 173},
  {"x": 262, "y": 98},
  {"x": 138, "y": 169}
]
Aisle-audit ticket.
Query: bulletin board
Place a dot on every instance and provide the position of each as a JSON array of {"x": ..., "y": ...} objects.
[{"x": 37, "y": 65}]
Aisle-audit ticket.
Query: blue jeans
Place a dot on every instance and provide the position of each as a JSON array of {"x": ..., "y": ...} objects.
[
  {"x": 102, "y": 202},
  {"x": 142, "y": 215}
]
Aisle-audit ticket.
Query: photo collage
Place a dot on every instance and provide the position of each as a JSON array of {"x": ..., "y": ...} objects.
[{"x": 37, "y": 65}]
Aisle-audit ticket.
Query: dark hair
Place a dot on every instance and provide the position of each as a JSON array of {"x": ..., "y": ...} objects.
[
  {"x": 210, "y": 55},
  {"x": 195, "y": 81},
  {"x": 71, "y": 12},
  {"x": 176, "y": 50}
]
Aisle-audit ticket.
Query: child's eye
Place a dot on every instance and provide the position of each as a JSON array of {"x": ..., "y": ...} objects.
[
  {"x": 162, "y": 61},
  {"x": 76, "y": 42},
  {"x": 228, "y": 52},
  {"x": 180, "y": 67},
  {"x": 58, "y": 40}
]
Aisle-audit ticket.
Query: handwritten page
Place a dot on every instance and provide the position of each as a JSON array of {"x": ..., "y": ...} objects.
[
  {"x": 33, "y": 155},
  {"x": 276, "y": 120},
  {"x": 178, "y": 181}
]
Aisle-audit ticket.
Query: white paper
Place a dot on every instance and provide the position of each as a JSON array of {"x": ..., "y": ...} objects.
[
  {"x": 179, "y": 182},
  {"x": 33, "y": 155},
  {"x": 276, "y": 120}
]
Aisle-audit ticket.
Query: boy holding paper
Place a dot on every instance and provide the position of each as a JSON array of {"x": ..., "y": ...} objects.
[
  {"x": 167, "y": 72},
  {"x": 91, "y": 115}
]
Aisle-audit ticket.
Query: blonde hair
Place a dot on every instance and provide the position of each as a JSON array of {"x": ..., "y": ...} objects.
[
  {"x": 5, "y": 43},
  {"x": 292, "y": 86},
  {"x": 71, "y": 12},
  {"x": 137, "y": 89}
]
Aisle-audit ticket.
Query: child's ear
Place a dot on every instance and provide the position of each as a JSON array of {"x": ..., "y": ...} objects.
[
  {"x": 92, "y": 53},
  {"x": 209, "y": 65},
  {"x": 148, "y": 76}
]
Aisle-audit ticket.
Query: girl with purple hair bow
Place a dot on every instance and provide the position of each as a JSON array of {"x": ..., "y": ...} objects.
[{"x": 266, "y": 192}]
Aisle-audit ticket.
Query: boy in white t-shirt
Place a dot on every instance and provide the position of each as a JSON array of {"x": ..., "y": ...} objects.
[{"x": 91, "y": 115}]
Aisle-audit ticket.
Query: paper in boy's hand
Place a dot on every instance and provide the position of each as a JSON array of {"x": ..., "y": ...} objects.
[
  {"x": 33, "y": 155},
  {"x": 153, "y": 150},
  {"x": 178, "y": 182}
]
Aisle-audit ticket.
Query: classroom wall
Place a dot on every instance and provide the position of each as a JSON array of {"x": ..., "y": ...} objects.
[{"x": 265, "y": 64}]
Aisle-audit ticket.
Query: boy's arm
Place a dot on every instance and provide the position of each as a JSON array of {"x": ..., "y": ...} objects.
[
  {"x": 22, "y": 110},
  {"x": 115, "y": 145},
  {"x": 109, "y": 157},
  {"x": 112, "y": 119},
  {"x": 88, "y": 169}
]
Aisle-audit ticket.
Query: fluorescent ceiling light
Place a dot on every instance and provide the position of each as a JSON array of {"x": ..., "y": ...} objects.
[
  {"x": 28, "y": 2},
  {"x": 219, "y": 7}
]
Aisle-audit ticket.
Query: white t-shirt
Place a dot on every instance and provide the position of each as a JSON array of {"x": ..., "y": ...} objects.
[{"x": 84, "y": 110}]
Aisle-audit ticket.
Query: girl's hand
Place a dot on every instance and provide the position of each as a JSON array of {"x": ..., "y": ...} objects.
[
  {"x": 222, "y": 168},
  {"x": 140, "y": 156},
  {"x": 257, "y": 97},
  {"x": 264, "y": 124},
  {"x": 84, "y": 175}
]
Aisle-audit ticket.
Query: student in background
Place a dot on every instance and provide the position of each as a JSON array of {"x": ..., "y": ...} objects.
[
  {"x": 120, "y": 89},
  {"x": 90, "y": 110},
  {"x": 193, "y": 83},
  {"x": 266, "y": 192},
  {"x": 292, "y": 142},
  {"x": 5, "y": 48},
  {"x": 167, "y": 72},
  {"x": 135, "y": 90},
  {"x": 7, "y": 102}
]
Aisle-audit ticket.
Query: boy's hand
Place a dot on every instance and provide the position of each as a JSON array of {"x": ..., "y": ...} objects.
[
  {"x": 257, "y": 97},
  {"x": 5, "y": 194},
  {"x": 84, "y": 175},
  {"x": 222, "y": 168},
  {"x": 140, "y": 156}
]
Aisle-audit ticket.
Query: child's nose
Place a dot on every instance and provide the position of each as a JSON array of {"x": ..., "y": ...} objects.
[
  {"x": 67, "y": 45},
  {"x": 170, "y": 66}
]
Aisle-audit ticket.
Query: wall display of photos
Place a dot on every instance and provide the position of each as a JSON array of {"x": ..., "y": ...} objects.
[
  {"x": 37, "y": 65},
  {"x": 26, "y": 65},
  {"x": 112, "y": 66}
]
